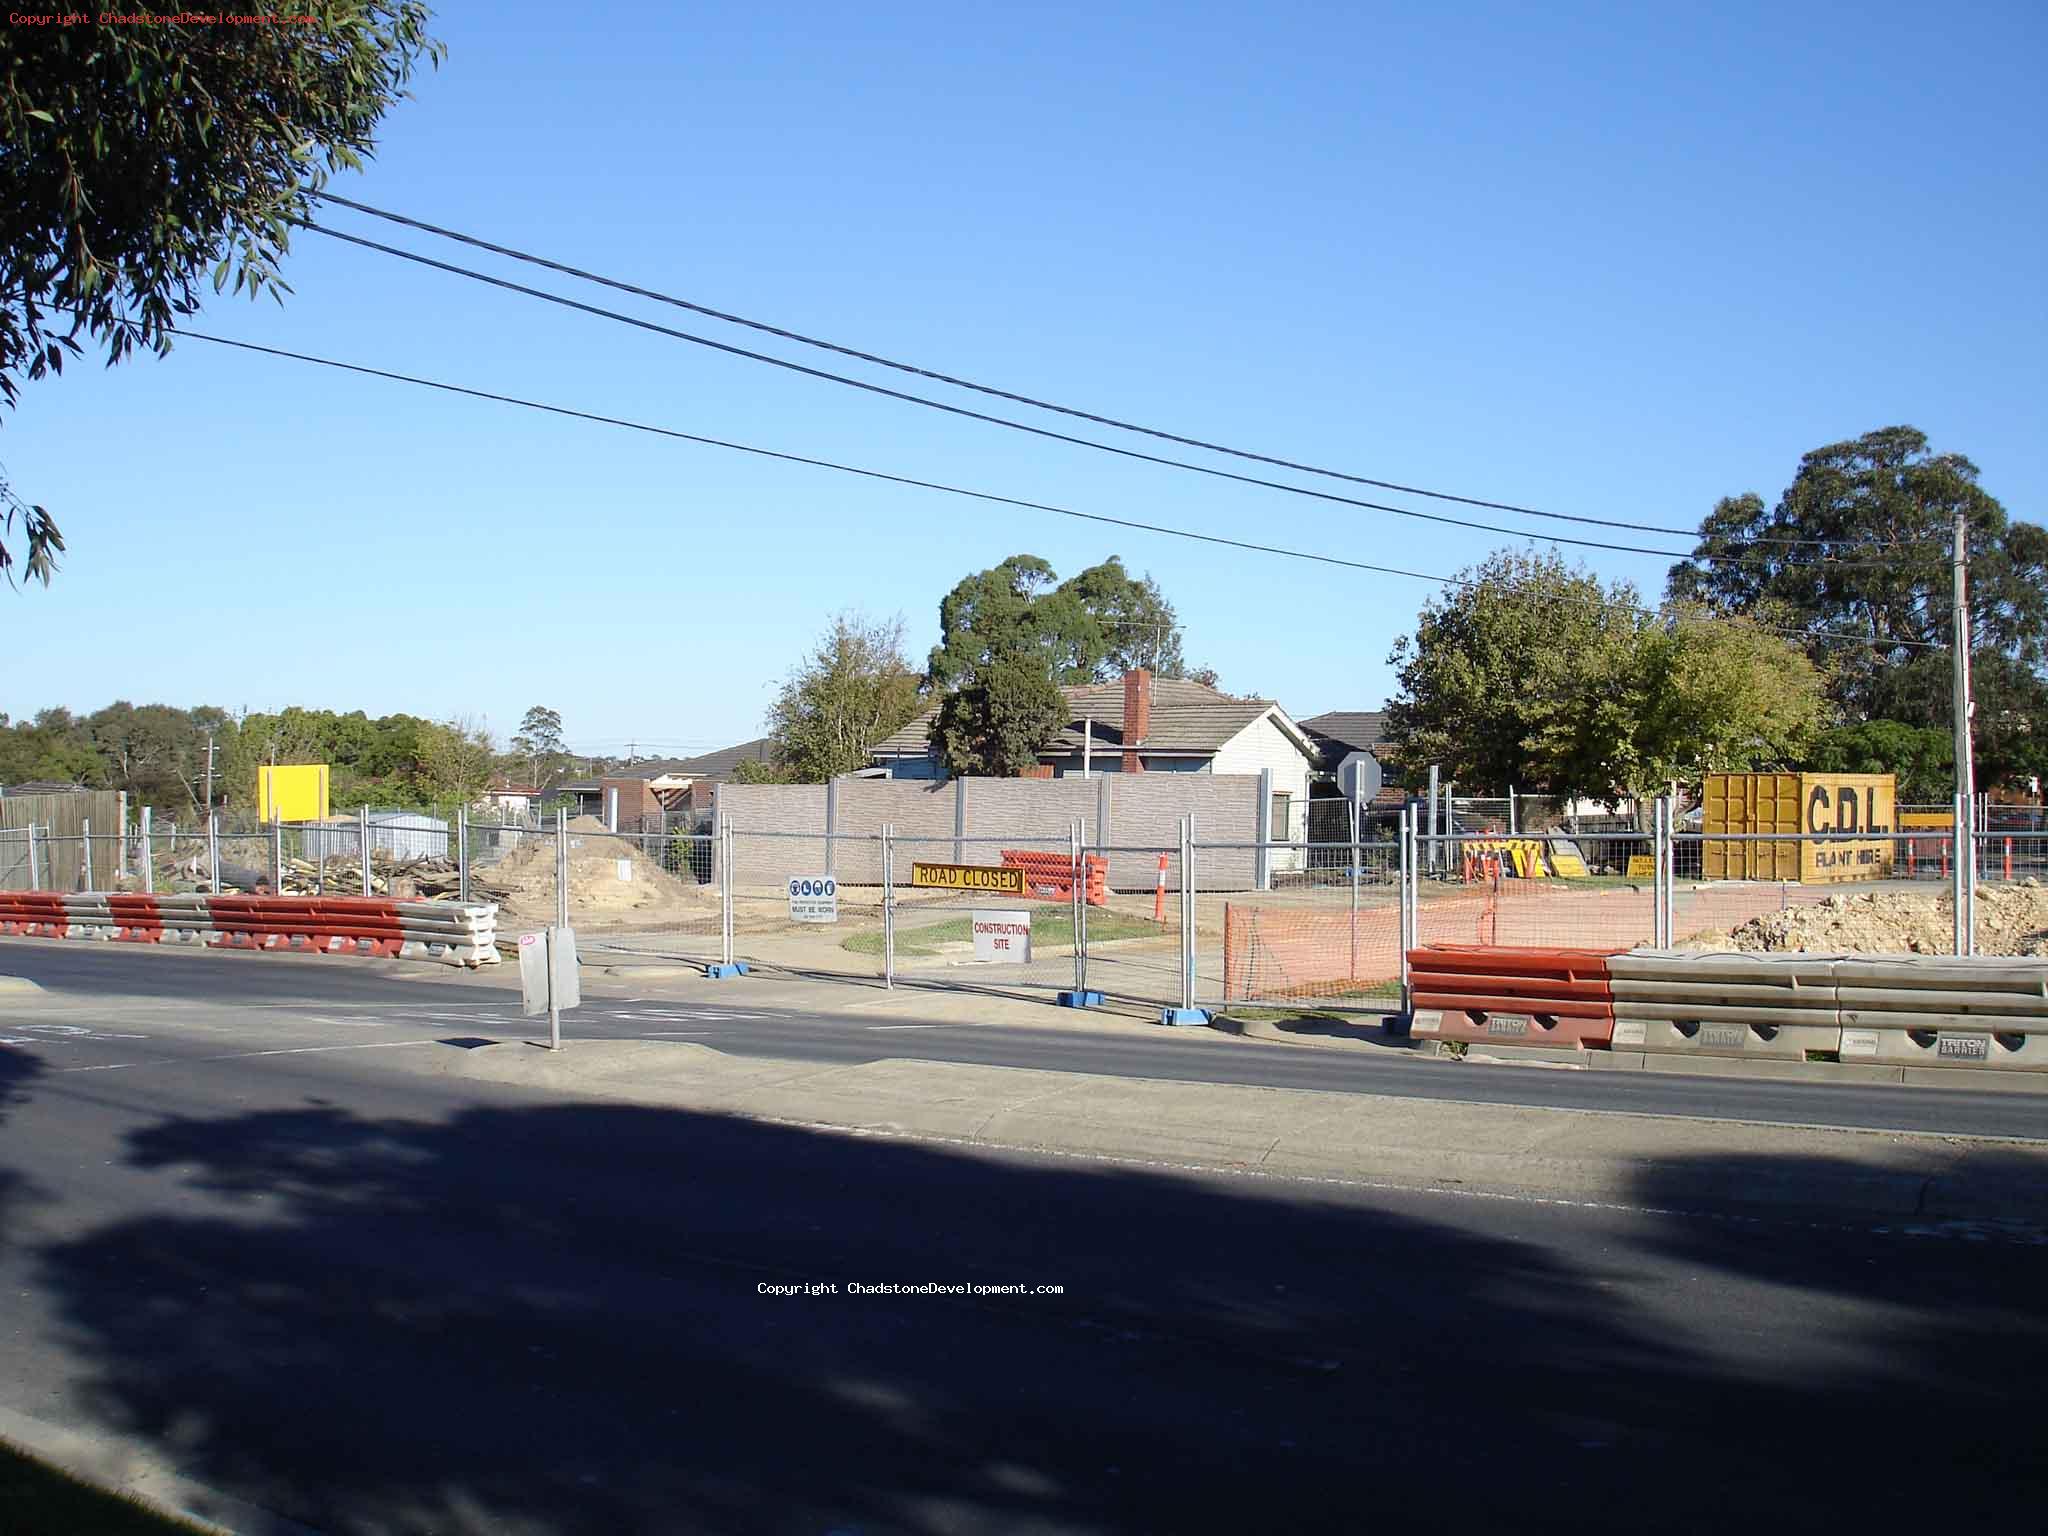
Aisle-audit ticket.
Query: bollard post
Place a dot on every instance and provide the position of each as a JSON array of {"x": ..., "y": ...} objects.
[
  {"x": 2008, "y": 861},
  {"x": 121, "y": 842},
  {"x": 1080, "y": 902},
  {"x": 276, "y": 854},
  {"x": 724, "y": 856},
  {"x": 725, "y": 924},
  {"x": 148, "y": 857},
  {"x": 213, "y": 849},
  {"x": 1960, "y": 837},
  {"x": 85, "y": 854},
  {"x": 35, "y": 882},
  {"x": 1187, "y": 914},
  {"x": 363, "y": 844},
  {"x": 561, "y": 867},
  {"x": 1408, "y": 914},
  {"x": 888, "y": 906},
  {"x": 1353, "y": 972},
  {"x": 462, "y": 853}
]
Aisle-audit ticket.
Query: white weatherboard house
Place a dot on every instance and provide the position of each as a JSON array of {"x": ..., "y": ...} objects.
[{"x": 1144, "y": 724}]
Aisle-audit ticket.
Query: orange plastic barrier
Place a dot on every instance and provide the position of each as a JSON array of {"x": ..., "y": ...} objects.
[
  {"x": 1050, "y": 876},
  {"x": 33, "y": 915},
  {"x": 410, "y": 930},
  {"x": 1511, "y": 995}
]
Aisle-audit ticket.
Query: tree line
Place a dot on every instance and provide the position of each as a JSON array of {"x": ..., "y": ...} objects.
[
  {"x": 158, "y": 753},
  {"x": 1812, "y": 633}
]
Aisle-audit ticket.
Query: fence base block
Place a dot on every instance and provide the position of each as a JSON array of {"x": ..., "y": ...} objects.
[
  {"x": 1080, "y": 999},
  {"x": 1185, "y": 1018},
  {"x": 726, "y": 972}
]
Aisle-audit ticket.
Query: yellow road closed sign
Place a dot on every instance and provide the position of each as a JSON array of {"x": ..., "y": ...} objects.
[{"x": 967, "y": 877}]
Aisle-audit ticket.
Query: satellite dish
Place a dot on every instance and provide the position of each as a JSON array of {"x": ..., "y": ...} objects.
[{"x": 1359, "y": 776}]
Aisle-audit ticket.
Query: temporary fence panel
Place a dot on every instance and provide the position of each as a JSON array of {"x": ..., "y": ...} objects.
[
  {"x": 994, "y": 914},
  {"x": 780, "y": 882},
  {"x": 634, "y": 893},
  {"x": 1332, "y": 936},
  {"x": 1133, "y": 943},
  {"x": 1592, "y": 889},
  {"x": 19, "y": 858}
]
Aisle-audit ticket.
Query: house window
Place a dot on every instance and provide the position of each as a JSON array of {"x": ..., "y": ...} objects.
[{"x": 1282, "y": 830}]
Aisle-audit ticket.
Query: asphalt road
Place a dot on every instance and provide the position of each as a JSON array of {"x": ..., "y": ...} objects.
[
  {"x": 378, "y": 1300},
  {"x": 309, "y": 988}
]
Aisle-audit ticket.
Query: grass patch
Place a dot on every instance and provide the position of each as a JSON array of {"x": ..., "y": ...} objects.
[
  {"x": 38, "y": 1498},
  {"x": 1049, "y": 925}
]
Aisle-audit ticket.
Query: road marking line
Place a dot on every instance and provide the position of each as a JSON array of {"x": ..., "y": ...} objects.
[
  {"x": 906, "y": 1026},
  {"x": 297, "y": 1050}
]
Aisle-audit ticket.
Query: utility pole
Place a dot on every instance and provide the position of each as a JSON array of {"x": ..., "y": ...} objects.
[
  {"x": 1966, "y": 786},
  {"x": 209, "y": 773}
]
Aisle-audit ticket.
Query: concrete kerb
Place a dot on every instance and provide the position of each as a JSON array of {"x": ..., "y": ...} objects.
[
  {"x": 1368, "y": 1140},
  {"x": 18, "y": 986}
]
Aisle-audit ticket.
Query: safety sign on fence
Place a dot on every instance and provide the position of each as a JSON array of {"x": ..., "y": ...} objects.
[
  {"x": 1002, "y": 936},
  {"x": 1006, "y": 879},
  {"x": 813, "y": 899}
]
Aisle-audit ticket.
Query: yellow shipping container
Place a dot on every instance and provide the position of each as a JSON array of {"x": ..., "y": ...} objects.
[{"x": 1792, "y": 804}]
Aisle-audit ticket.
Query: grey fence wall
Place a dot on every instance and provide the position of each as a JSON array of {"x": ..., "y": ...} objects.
[{"x": 1121, "y": 811}]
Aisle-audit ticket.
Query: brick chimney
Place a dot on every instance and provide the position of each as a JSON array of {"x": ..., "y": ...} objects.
[{"x": 1137, "y": 716}]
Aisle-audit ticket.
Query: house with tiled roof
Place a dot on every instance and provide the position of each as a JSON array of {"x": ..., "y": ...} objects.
[{"x": 1143, "y": 724}]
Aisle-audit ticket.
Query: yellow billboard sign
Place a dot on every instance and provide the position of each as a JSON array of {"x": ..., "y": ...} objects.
[
  {"x": 968, "y": 877},
  {"x": 296, "y": 792}
]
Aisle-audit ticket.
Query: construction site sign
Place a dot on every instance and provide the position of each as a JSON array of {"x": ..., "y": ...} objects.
[
  {"x": 1002, "y": 937},
  {"x": 297, "y": 792},
  {"x": 1001, "y": 878}
]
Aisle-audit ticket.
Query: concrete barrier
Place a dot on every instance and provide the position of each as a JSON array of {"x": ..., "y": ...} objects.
[
  {"x": 1945, "y": 1011},
  {"x": 1772, "y": 1006}
]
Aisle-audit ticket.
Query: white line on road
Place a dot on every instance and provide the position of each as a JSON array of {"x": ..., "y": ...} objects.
[{"x": 297, "y": 1050}]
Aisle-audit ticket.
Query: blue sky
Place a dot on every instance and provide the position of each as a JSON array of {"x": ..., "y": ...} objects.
[{"x": 1611, "y": 260}]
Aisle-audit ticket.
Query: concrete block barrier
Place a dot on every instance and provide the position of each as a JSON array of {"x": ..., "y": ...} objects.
[
  {"x": 1945, "y": 1011},
  {"x": 1771, "y": 1006}
]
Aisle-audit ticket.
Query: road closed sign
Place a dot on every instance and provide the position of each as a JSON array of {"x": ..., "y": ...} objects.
[
  {"x": 813, "y": 899},
  {"x": 1002, "y": 936}
]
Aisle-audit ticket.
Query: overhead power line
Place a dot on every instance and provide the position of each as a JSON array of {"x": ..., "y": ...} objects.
[
  {"x": 886, "y": 477},
  {"x": 1004, "y": 421},
  {"x": 515, "y": 254}
]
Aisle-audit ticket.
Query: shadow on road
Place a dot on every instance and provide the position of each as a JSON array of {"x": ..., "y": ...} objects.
[
  {"x": 18, "y": 1070},
  {"x": 550, "y": 1319}
]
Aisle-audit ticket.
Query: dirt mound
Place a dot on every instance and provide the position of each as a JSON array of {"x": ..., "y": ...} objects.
[
  {"x": 2011, "y": 920},
  {"x": 648, "y": 896}
]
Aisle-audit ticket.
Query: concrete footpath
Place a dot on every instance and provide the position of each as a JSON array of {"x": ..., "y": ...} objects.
[{"x": 1586, "y": 1156}]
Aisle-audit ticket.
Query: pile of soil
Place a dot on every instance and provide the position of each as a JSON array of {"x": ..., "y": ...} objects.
[
  {"x": 523, "y": 884},
  {"x": 2011, "y": 920}
]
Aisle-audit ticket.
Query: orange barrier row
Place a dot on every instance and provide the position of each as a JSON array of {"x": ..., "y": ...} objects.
[
  {"x": 412, "y": 930},
  {"x": 33, "y": 915},
  {"x": 1533, "y": 995},
  {"x": 1050, "y": 876}
]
